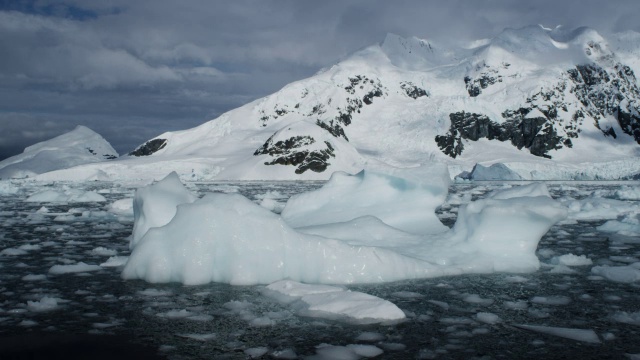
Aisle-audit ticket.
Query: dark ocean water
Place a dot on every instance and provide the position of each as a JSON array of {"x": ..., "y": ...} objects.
[{"x": 98, "y": 314}]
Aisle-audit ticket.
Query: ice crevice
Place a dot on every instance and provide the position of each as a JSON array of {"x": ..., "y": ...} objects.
[{"x": 371, "y": 227}]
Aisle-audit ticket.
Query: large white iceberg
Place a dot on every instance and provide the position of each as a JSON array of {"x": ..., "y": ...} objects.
[{"x": 227, "y": 238}]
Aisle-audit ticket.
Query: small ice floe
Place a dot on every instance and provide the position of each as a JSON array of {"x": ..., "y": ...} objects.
[
  {"x": 199, "y": 337},
  {"x": 571, "y": 260},
  {"x": 155, "y": 292},
  {"x": 103, "y": 251},
  {"x": 354, "y": 351},
  {"x": 476, "y": 299},
  {"x": 621, "y": 274},
  {"x": 66, "y": 196},
  {"x": 74, "y": 268},
  {"x": 488, "y": 318},
  {"x": 34, "y": 277},
  {"x": 551, "y": 300},
  {"x": 632, "y": 318},
  {"x": 13, "y": 252},
  {"x": 256, "y": 352},
  {"x": 584, "y": 335},
  {"x": 368, "y": 336},
  {"x": 115, "y": 261},
  {"x": 45, "y": 304},
  {"x": 334, "y": 302}
]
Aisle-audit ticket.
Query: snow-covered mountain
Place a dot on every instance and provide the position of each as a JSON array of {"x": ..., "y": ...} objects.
[
  {"x": 546, "y": 103},
  {"x": 77, "y": 147}
]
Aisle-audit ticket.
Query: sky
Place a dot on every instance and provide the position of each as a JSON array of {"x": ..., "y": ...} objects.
[{"x": 131, "y": 70}]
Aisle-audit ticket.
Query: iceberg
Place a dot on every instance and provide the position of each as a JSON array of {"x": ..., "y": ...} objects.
[{"x": 328, "y": 236}]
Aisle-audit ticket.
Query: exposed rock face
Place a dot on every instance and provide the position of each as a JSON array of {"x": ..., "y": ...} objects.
[
  {"x": 360, "y": 90},
  {"x": 149, "y": 147},
  {"x": 604, "y": 93},
  {"x": 412, "y": 90},
  {"x": 550, "y": 118},
  {"x": 292, "y": 152},
  {"x": 486, "y": 76}
]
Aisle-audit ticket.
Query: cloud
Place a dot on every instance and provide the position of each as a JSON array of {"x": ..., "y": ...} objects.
[{"x": 134, "y": 69}]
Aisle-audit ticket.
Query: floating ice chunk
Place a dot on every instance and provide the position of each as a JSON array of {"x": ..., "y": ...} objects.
[
  {"x": 34, "y": 277},
  {"x": 370, "y": 337},
  {"x": 75, "y": 268},
  {"x": 155, "y": 205},
  {"x": 497, "y": 171},
  {"x": 284, "y": 354},
  {"x": 103, "y": 251},
  {"x": 530, "y": 190},
  {"x": 551, "y": 300},
  {"x": 115, "y": 261},
  {"x": 621, "y": 274},
  {"x": 628, "y": 193},
  {"x": 45, "y": 304},
  {"x": 335, "y": 303},
  {"x": 628, "y": 225},
  {"x": 562, "y": 269},
  {"x": 571, "y": 260},
  {"x": 176, "y": 314},
  {"x": 516, "y": 305},
  {"x": 349, "y": 352},
  {"x": 13, "y": 252},
  {"x": 584, "y": 335},
  {"x": 121, "y": 207},
  {"x": 404, "y": 198},
  {"x": 28, "y": 323},
  {"x": 8, "y": 188},
  {"x": 599, "y": 208},
  {"x": 199, "y": 337},
  {"x": 256, "y": 352},
  {"x": 66, "y": 195},
  {"x": 154, "y": 292},
  {"x": 488, "y": 227},
  {"x": 367, "y": 351},
  {"x": 476, "y": 299},
  {"x": 627, "y": 317},
  {"x": 227, "y": 238}
]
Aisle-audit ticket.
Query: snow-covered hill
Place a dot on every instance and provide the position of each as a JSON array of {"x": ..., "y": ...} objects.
[
  {"x": 77, "y": 147},
  {"x": 546, "y": 103}
]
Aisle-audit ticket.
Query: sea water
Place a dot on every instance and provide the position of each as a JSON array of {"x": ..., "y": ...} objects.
[{"x": 563, "y": 310}]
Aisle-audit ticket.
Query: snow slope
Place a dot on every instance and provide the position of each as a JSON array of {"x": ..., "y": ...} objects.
[
  {"x": 77, "y": 147},
  {"x": 546, "y": 103}
]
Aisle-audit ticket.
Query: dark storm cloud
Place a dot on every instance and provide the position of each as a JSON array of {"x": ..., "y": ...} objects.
[{"x": 133, "y": 69}]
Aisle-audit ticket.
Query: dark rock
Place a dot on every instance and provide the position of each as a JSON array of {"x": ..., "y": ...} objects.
[
  {"x": 292, "y": 152},
  {"x": 150, "y": 147},
  {"x": 334, "y": 129},
  {"x": 412, "y": 90},
  {"x": 535, "y": 134}
]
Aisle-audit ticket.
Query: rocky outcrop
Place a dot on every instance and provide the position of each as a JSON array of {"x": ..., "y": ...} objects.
[
  {"x": 549, "y": 119},
  {"x": 604, "y": 93},
  {"x": 533, "y": 133},
  {"x": 292, "y": 152},
  {"x": 150, "y": 147},
  {"x": 412, "y": 90},
  {"x": 485, "y": 77}
]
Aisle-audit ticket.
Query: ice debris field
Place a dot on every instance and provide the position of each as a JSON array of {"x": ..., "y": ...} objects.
[{"x": 393, "y": 263}]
